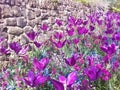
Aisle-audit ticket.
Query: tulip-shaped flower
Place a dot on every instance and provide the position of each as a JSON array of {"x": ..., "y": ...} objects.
[
  {"x": 15, "y": 46},
  {"x": 37, "y": 44},
  {"x": 72, "y": 60},
  {"x": 58, "y": 22},
  {"x": 40, "y": 65},
  {"x": 31, "y": 35},
  {"x": 70, "y": 32},
  {"x": 93, "y": 73},
  {"x": 4, "y": 51},
  {"x": 82, "y": 30},
  {"x": 59, "y": 44},
  {"x": 44, "y": 27},
  {"x": 109, "y": 49},
  {"x": 58, "y": 35},
  {"x": 64, "y": 82},
  {"x": 34, "y": 80}
]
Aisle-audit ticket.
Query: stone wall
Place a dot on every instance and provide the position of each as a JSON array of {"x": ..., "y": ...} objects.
[{"x": 20, "y": 16}]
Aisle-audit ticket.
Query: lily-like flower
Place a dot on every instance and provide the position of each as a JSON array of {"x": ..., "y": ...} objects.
[
  {"x": 82, "y": 30},
  {"x": 109, "y": 49},
  {"x": 24, "y": 50},
  {"x": 64, "y": 82},
  {"x": 40, "y": 65},
  {"x": 37, "y": 44},
  {"x": 58, "y": 22},
  {"x": 70, "y": 32},
  {"x": 76, "y": 40},
  {"x": 4, "y": 51},
  {"x": 59, "y": 44},
  {"x": 34, "y": 80},
  {"x": 72, "y": 60},
  {"x": 15, "y": 46},
  {"x": 93, "y": 73},
  {"x": 117, "y": 36},
  {"x": 106, "y": 75},
  {"x": 31, "y": 35},
  {"x": 44, "y": 27},
  {"x": 58, "y": 35}
]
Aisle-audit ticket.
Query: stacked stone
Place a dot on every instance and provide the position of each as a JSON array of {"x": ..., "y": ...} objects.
[{"x": 19, "y": 16}]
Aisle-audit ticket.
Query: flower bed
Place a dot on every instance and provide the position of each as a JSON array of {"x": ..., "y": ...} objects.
[{"x": 84, "y": 56}]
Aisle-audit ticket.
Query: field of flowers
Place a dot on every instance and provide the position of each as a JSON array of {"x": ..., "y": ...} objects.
[{"x": 84, "y": 56}]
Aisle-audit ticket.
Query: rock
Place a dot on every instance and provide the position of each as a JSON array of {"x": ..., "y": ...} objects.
[
  {"x": 21, "y": 22},
  {"x": 27, "y": 28},
  {"x": 12, "y": 2},
  {"x": 18, "y": 2},
  {"x": 32, "y": 23},
  {"x": 11, "y": 22},
  {"x": 16, "y": 11},
  {"x": 31, "y": 15},
  {"x": 7, "y": 2},
  {"x": 38, "y": 12},
  {"x": 15, "y": 31},
  {"x": 6, "y": 11},
  {"x": 10, "y": 38},
  {"x": 23, "y": 39},
  {"x": 2, "y": 1}
]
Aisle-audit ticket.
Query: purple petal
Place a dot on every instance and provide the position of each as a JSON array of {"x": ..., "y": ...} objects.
[
  {"x": 71, "y": 78},
  {"x": 37, "y": 64},
  {"x": 58, "y": 35},
  {"x": 70, "y": 32},
  {"x": 59, "y": 44},
  {"x": 31, "y": 35},
  {"x": 40, "y": 80},
  {"x": 15, "y": 46},
  {"x": 57, "y": 85},
  {"x": 44, "y": 62},
  {"x": 44, "y": 27},
  {"x": 62, "y": 79},
  {"x": 24, "y": 50},
  {"x": 31, "y": 76},
  {"x": 59, "y": 22},
  {"x": 72, "y": 60},
  {"x": 37, "y": 44}
]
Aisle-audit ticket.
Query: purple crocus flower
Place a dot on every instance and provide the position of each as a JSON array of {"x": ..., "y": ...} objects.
[
  {"x": 24, "y": 50},
  {"x": 44, "y": 27},
  {"x": 109, "y": 31},
  {"x": 34, "y": 80},
  {"x": 69, "y": 80},
  {"x": 31, "y": 35},
  {"x": 118, "y": 23},
  {"x": 64, "y": 82},
  {"x": 72, "y": 20},
  {"x": 108, "y": 49},
  {"x": 82, "y": 30},
  {"x": 57, "y": 85},
  {"x": 37, "y": 44},
  {"x": 106, "y": 75},
  {"x": 91, "y": 28},
  {"x": 58, "y": 35},
  {"x": 93, "y": 73},
  {"x": 40, "y": 65},
  {"x": 59, "y": 44},
  {"x": 4, "y": 51},
  {"x": 70, "y": 32},
  {"x": 58, "y": 22},
  {"x": 72, "y": 60},
  {"x": 117, "y": 36},
  {"x": 15, "y": 46},
  {"x": 76, "y": 40}
]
